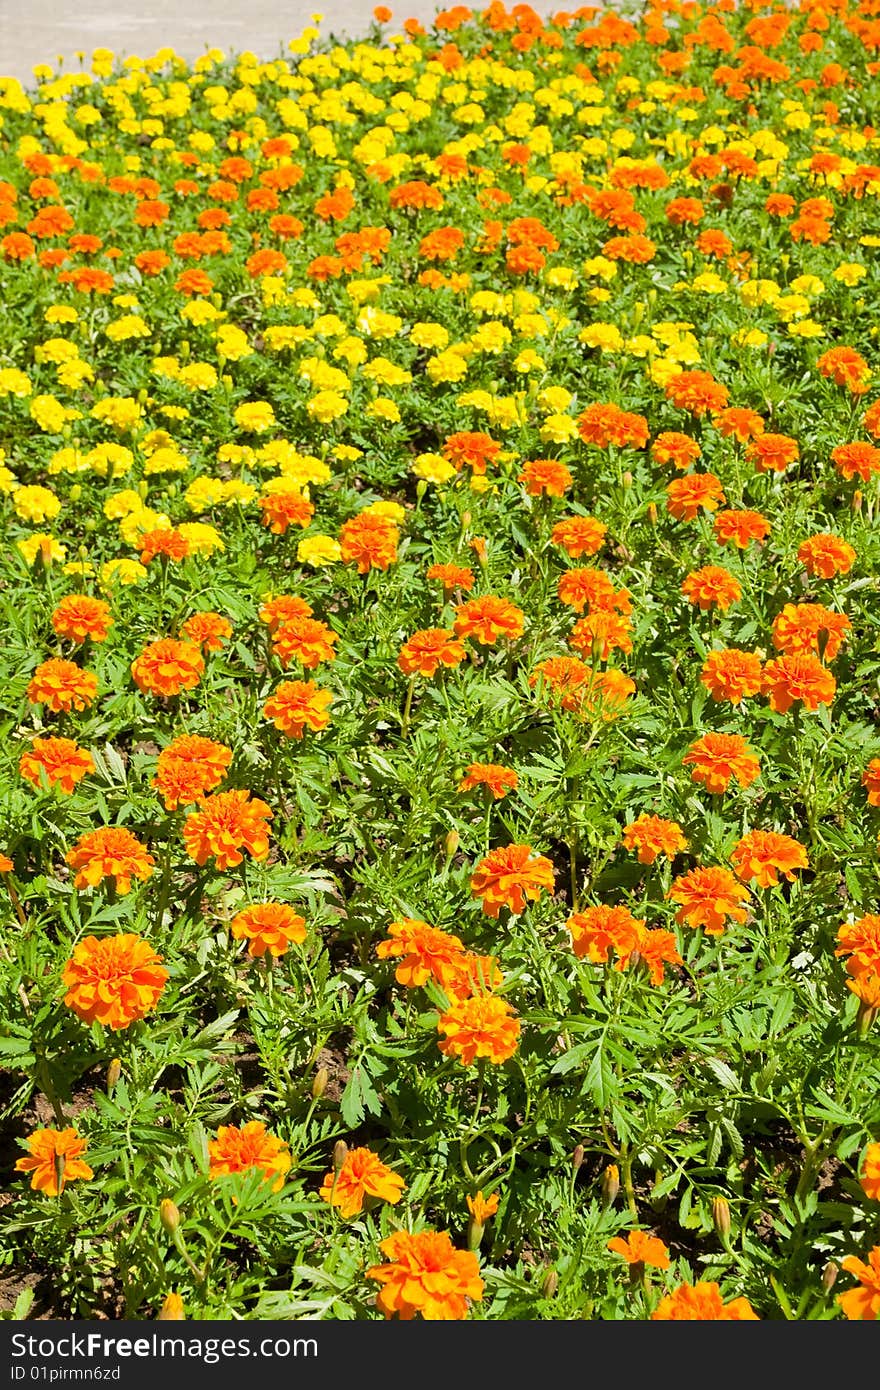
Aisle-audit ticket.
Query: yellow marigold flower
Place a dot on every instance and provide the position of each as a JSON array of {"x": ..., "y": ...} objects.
[
  {"x": 36, "y": 504},
  {"x": 318, "y": 551},
  {"x": 256, "y": 416}
]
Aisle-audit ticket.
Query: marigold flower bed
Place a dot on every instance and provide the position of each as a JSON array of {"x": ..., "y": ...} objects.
[{"x": 440, "y": 690}]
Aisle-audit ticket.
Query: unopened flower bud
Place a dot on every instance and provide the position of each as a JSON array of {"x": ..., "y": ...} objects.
[
  {"x": 627, "y": 479},
  {"x": 340, "y": 1154},
  {"x": 721, "y": 1219},
  {"x": 865, "y": 1018},
  {"x": 319, "y": 1084},
  {"x": 114, "y": 1071},
  {"x": 169, "y": 1215},
  {"x": 450, "y": 843},
  {"x": 475, "y": 1231},
  {"x": 610, "y": 1184},
  {"x": 577, "y": 1157},
  {"x": 75, "y": 492},
  {"x": 857, "y": 499},
  {"x": 421, "y": 488},
  {"x": 172, "y": 1309},
  {"x": 829, "y": 1276},
  {"x": 551, "y": 1283},
  {"x": 465, "y": 520},
  {"x": 652, "y": 513}
]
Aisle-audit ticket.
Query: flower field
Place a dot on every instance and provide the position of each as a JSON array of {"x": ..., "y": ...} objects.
[{"x": 441, "y": 676}]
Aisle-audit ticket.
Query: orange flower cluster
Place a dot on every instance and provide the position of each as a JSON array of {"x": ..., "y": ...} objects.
[
  {"x": 114, "y": 980},
  {"x": 598, "y": 931},
  {"x": 242, "y": 1149}
]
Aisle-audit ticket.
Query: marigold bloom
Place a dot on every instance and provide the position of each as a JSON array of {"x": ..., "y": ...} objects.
[
  {"x": 739, "y": 424},
  {"x": 362, "y": 1176},
  {"x": 207, "y": 630},
  {"x": 605, "y": 424},
  {"x": 740, "y": 528},
  {"x": 697, "y": 392},
  {"x": 716, "y": 758},
  {"x": 167, "y": 667},
  {"x": 545, "y": 477},
  {"x": 425, "y": 1274},
  {"x": 60, "y": 760},
  {"x": 686, "y": 497},
  {"x": 798, "y": 676},
  {"x": 282, "y": 609},
  {"x": 240, "y": 1150},
  {"x": 826, "y": 555},
  {"x": 188, "y": 768},
  {"x": 869, "y": 1173},
  {"x": 426, "y": 651},
  {"x": 62, "y": 686},
  {"x": 579, "y": 535},
  {"x": 799, "y": 626},
  {"x": 297, "y": 706},
  {"x": 702, "y": 1302},
  {"x": 588, "y": 587},
  {"x": 486, "y": 619},
  {"x": 370, "y": 541},
  {"x": 452, "y": 577},
  {"x": 871, "y": 781},
  {"x": 598, "y": 930},
  {"x": 641, "y": 1249},
  {"x": 772, "y": 452},
  {"x": 675, "y": 448},
  {"x": 271, "y": 927},
  {"x": 656, "y": 950},
  {"x": 857, "y": 460},
  {"x": 732, "y": 674},
  {"x": 499, "y": 779},
  {"x": 707, "y": 897},
  {"x": 79, "y": 617},
  {"x": 224, "y": 824},
  {"x": 600, "y": 633},
  {"x": 508, "y": 875},
  {"x": 862, "y": 1304},
  {"x": 565, "y": 676},
  {"x": 860, "y": 941},
  {"x": 762, "y": 855},
  {"x": 847, "y": 367},
  {"x": 164, "y": 541},
  {"x": 480, "y": 1026},
  {"x": 482, "y": 1208},
  {"x": 111, "y": 852},
  {"x": 653, "y": 836},
  {"x": 712, "y": 587},
  {"x": 285, "y": 508},
  {"x": 55, "y": 1160},
  {"x": 425, "y": 953},
  {"x": 305, "y": 640},
  {"x": 605, "y": 694},
  {"x": 114, "y": 980},
  {"x": 471, "y": 449}
]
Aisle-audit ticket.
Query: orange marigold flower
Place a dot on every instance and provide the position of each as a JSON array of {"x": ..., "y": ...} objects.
[
  {"x": 285, "y": 508},
  {"x": 857, "y": 460},
  {"x": 297, "y": 706},
  {"x": 862, "y": 1304},
  {"x": 471, "y": 449},
  {"x": 707, "y": 897},
  {"x": 114, "y": 980},
  {"x": 740, "y": 528},
  {"x": 60, "y": 760},
  {"x": 188, "y": 768},
  {"x": 739, "y": 423},
  {"x": 508, "y": 875},
  {"x": 871, "y": 419},
  {"x": 499, "y": 779},
  {"x": 799, "y": 626},
  {"x": 605, "y": 424},
  {"x": 598, "y": 930},
  {"x": 426, "y": 651},
  {"x": 826, "y": 555},
  {"x": 641, "y": 1249},
  {"x": 871, "y": 781},
  {"x": 111, "y": 852},
  {"x": 482, "y": 1208},
  {"x": 712, "y": 587},
  {"x": 869, "y": 1173},
  {"x": 686, "y": 497},
  {"x": 606, "y": 694},
  {"x": 224, "y": 824},
  {"x": 476, "y": 975},
  {"x": 207, "y": 630},
  {"x": 866, "y": 988},
  {"x": 241, "y": 1150},
  {"x": 78, "y": 617},
  {"x": 167, "y": 667},
  {"x": 167, "y": 542},
  {"x": 656, "y": 950},
  {"x": 678, "y": 449},
  {"x": 773, "y": 452},
  {"x": 370, "y": 541},
  {"x": 488, "y": 618},
  {"x": 861, "y": 942},
  {"x": 426, "y": 953},
  {"x": 702, "y": 1302},
  {"x": 55, "y": 1160},
  {"x": 283, "y": 609},
  {"x": 545, "y": 477},
  {"x": 716, "y": 758},
  {"x": 305, "y": 640},
  {"x": 425, "y": 1274},
  {"x": 600, "y": 633},
  {"x": 847, "y": 367},
  {"x": 362, "y": 1176},
  {"x": 798, "y": 676},
  {"x": 452, "y": 577},
  {"x": 762, "y": 855},
  {"x": 732, "y": 674},
  {"x": 6, "y": 864},
  {"x": 653, "y": 836},
  {"x": 480, "y": 1026},
  {"x": 579, "y": 535},
  {"x": 565, "y": 676},
  {"x": 62, "y": 686},
  {"x": 697, "y": 392},
  {"x": 271, "y": 927}
]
